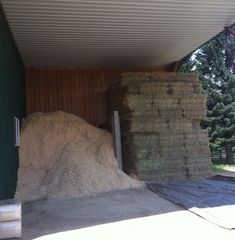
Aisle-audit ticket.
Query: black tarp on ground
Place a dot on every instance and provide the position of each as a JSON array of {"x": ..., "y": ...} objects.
[{"x": 213, "y": 199}]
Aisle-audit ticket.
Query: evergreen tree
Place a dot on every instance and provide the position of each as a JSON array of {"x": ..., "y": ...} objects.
[{"x": 215, "y": 63}]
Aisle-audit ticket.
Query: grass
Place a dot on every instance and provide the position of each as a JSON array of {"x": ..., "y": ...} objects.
[{"x": 223, "y": 167}]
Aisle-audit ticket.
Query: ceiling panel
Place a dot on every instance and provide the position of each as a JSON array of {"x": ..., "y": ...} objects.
[{"x": 113, "y": 33}]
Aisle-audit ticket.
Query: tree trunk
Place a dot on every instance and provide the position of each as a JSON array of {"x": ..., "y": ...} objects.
[
  {"x": 229, "y": 155},
  {"x": 220, "y": 156}
]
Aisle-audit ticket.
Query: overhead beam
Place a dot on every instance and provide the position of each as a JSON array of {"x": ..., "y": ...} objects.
[{"x": 230, "y": 30}]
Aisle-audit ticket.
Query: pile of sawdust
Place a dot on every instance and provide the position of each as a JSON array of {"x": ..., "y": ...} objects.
[{"x": 61, "y": 155}]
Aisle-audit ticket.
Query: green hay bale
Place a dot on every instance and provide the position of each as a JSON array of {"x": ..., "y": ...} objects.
[
  {"x": 187, "y": 77},
  {"x": 165, "y": 107},
  {"x": 196, "y": 125},
  {"x": 152, "y": 124},
  {"x": 161, "y": 176},
  {"x": 194, "y": 115},
  {"x": 197, "y": 99},
  {"x": 156, "y": 164},
  {"x": 134, "y": 77},
  {"x": 169, "y": 88}
]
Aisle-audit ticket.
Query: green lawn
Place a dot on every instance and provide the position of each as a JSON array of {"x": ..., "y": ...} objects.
[{"x": 221, "y": 167}]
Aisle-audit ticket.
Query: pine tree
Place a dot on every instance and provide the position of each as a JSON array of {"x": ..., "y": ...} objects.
[{"x": 215, "y": 63}]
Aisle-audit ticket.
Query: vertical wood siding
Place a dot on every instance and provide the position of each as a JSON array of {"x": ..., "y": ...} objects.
[{"x": 78, "y": 91}]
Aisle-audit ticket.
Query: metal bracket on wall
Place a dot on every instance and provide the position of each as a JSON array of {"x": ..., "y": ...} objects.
[
  {"x": 116, "y": 132},
  {"x": 16, "y": 132}
]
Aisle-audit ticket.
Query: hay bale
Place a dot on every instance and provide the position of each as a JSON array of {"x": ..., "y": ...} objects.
[
  {"x": 169, "y": 88},
  {"x": 187, "y": 77},
  {"x": 140, "y": 77},
  {"x": 150, "y": 124},
  {"x": 160, "y": 116},
  {"x": 152, "y": 164},
  {"x": 192, "y": 107},
  {"x": 134, "y": 77},
  {"x": 161, "y": 176}
]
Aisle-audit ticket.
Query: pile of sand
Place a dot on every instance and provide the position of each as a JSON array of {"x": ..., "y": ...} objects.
[{"x": 61, "y": 155}]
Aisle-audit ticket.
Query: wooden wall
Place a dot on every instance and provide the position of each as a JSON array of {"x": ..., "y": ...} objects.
[{"x": 80, "y": 91}]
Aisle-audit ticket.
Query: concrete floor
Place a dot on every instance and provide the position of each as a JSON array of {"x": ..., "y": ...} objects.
[{"x": 134, "y": 214}]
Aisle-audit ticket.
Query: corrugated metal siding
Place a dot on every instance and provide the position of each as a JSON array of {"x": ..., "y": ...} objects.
[
  {"x": 113, "y": 32},
  {"x": 74, "y": 90},
  {"x": 12, "y": 103}
]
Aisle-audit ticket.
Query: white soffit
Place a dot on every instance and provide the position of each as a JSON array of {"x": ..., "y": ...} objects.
[{"x": 113, "y": 33}]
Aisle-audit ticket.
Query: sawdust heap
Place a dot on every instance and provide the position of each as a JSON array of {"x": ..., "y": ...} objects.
[{"x": 61, "y": 155}]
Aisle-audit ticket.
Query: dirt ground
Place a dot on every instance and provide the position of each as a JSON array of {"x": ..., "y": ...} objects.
[
  {"x": 134, "y": 214},
  {"x": 226, "y": 173}
]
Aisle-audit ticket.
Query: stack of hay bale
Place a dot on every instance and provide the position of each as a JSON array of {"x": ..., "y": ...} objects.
[{"x": 160, "y": 116}]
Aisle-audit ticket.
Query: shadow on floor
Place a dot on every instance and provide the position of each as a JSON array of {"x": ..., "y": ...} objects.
[{"x": 52, "y": 216}]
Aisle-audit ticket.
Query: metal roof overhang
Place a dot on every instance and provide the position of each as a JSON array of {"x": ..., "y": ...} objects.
[{"x": 113, "y": 32}]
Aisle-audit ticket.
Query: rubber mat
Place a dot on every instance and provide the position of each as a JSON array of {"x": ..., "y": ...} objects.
[{"x": 212, "y": 199}]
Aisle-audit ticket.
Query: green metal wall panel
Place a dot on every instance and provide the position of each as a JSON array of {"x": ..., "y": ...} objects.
[{"x": 12, "y": 103}]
